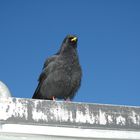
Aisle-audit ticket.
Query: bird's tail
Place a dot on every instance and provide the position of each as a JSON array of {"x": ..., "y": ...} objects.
[
  {"x": 37, "y": 92},
  {"x": 38, "y": 95}
]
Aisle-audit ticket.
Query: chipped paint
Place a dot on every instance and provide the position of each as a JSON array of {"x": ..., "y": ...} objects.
[
  {"x": 102, "y": 117},
  {"x": 110, "y": 119},
  {"x": 59, "y": 113},
  {"x": 135, "y": 118},
  {"x": 80, "y": 117},
  {"x": 8, "y": 108},
  {"x": 86, "y": 117},
  {"x": 120, "y": 120},
  {"x": 16, "y": 110},
  {"x": 70, "y": 117},
  {"x": 38, "y": 115}
]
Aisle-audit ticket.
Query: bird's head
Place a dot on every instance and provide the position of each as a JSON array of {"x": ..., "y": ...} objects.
[
  {"x": 71, "y": 40},
  {"x": 69, "y": 43}
]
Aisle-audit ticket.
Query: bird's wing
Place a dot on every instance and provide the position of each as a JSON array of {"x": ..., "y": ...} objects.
[
  {"x": 43, "y": 74},
  {"x": 48, "y": 60},
  {"x": 76, "y": 81}
]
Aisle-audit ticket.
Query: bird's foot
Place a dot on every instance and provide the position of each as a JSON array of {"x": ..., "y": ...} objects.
[
  {"x": 67, "y": 100},
  {"x": 53, "y": 98}
]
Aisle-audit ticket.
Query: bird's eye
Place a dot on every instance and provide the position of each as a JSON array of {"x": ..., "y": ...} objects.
[
  {"x": 73, "y": 39},
  {"x": 70, "y": 38}
]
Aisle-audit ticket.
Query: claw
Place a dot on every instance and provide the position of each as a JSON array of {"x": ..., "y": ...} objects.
[
  {"x": 54, "y": 99},
  {"x": 67, "y": 100}
]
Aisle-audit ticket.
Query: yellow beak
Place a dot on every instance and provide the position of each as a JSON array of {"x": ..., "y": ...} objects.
[{"x": 74, "y": 39}]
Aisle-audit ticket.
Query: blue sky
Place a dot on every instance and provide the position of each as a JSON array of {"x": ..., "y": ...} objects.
[{"x": 109, "y": 45}]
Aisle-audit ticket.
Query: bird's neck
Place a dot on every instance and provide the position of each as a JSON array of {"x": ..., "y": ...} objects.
[{"x": 70, "y": 56}]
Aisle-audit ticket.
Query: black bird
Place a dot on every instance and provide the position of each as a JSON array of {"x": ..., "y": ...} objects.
[{"x": 61, "y": 74}]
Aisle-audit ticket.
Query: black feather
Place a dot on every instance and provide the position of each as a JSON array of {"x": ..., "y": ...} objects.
[{"x": 61, "y": 74}]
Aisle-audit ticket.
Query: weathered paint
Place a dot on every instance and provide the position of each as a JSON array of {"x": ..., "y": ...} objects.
[
  {"x": 12, "y": 107},
  {"x": 28, "y": 111}
]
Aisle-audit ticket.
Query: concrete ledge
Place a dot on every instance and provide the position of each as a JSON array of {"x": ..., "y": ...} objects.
[{"x": 51, "y": 113}]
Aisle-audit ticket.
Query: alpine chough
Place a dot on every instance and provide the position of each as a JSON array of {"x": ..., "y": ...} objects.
[{"x": 61, "y": 73}]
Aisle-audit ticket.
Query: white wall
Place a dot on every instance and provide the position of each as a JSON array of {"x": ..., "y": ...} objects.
[
  {"x": 34, "y": 132},
  {"x": 27, "y": 119}
]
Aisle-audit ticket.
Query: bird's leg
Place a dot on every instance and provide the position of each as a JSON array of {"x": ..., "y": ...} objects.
[
  {"x": 67, "y": 100},
  {"x": 53, "y": 98}
]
